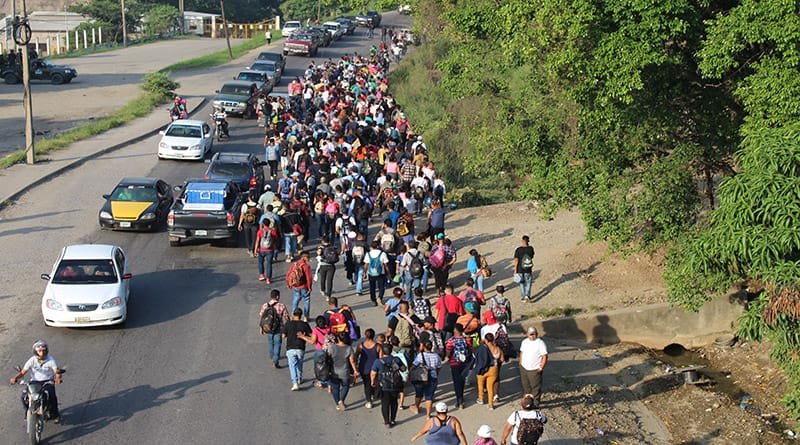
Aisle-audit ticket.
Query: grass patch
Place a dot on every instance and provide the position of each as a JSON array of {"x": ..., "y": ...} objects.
[
  {"x": 115, "y": 46},
  {"x": 565, "y": 311},
  {"x": 138, "y": 107}
]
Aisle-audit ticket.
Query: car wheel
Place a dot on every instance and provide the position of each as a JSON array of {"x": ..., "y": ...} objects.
[
  {"x": 10, "y": 78},
  {"x": 57, "y": 79}
]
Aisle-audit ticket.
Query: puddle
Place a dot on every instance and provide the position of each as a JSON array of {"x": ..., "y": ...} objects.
[{"x": 678, "y": 357}]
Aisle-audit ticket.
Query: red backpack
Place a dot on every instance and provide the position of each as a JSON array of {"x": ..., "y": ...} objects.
[{"x": 337, "y": 321}]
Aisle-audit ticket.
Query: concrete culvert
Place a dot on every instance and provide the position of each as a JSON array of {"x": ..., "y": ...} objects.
[{"x": 674, "y": 350}]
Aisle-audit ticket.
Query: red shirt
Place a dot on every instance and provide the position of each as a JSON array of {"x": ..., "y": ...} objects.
[
  {"x": 450, "y": 304},
  {"x": 306, "y": 272},
  {"x": 260, "y": 234}
]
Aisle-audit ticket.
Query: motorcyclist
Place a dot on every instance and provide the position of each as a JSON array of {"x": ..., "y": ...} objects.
[
  {"x": 178, "y": 109},
  {"x": 221, "y": 119},
  {"x": 43, "y": 369}
]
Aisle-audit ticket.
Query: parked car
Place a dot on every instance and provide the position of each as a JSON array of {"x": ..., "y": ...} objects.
[
  {"x": 370, "y": 18},
  {"x": 41, "y": 69},
  {"x": 245, "y": 169},
  {"x": 276, "y": 57},
  {"x": 237, "y": 97},
  {"x": 322, "y": 33},
  {"x": 290, "y": 28},
  {"x": 205, "y": 209},
  {"x": 89, "y": 285},
  {"x": 334, "y": 29},
  {"x": 301, "y": 43},
  {"x": 268, "y": 67},
  {"x": 136, "y": 204},
  {"x": 186, "y": 139},
  {"x": 262, "y": 80},
  {"x": 348, "y": 25}
]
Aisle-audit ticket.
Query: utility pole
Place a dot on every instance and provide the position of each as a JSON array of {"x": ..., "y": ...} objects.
[
  {"x": 124, "y": 26},
  {"x": 22, "y": 36},
  {"x": 180, "y": 9},
  {"x": 225, "y": 27}
]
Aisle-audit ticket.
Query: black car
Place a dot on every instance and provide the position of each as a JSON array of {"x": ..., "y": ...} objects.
[
  {"x": 322, "y": 33},
  {"x": 244, "y": 169},
  {"x": 136, "y": 204},
  {"x": 276, "y": 57},
  {"x": 348, "y": 23}
]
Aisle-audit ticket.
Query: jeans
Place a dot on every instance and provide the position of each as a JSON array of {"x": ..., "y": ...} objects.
[
  {"x": 303, "y": 293},
  {"x": 389, "y": 406},
  {"x": 380, "y": 283},
  {"x": 427, "y": 390},
  {"x": 273, "y": 168},
  {"x": 295, "y": 358},
  {"x": 289, "y": 244},
  {"x": 274, "y": 346},
  {"x": 265, "y": 255},
  {"x": 339, "y": 389},
  {"x": 363, "y": 226},
  {"x": 478, "y": 278},
  {"x": 317, "y": 354},
  {"x": 525, "y": 284},
  {"x": 411, "y": 284},
  {"x": 358, "y": 274},
  {"x": 326, "y": 272},
  {"x": 250, "y": 232},
  {"x": 459, "y": 373},
  {"x": 425, "y": 277}
]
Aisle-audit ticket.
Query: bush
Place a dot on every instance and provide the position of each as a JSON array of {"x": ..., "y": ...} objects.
[{"x": 160, "y": 84}]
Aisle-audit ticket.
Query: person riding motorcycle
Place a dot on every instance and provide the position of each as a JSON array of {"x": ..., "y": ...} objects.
[
  {"x": 221, "y": 120},
  {"x": 43, "y": 369},
  {"x": 178, "y": 109}
]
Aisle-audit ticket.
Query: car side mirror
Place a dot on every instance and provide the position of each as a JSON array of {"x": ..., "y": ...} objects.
[
  {"x": 106, "y": 196},
  {"x": 177, "y": 188},
  {"x": 45, "y": 276},
  {"x": 127, "y": 276},
  {"x": 162, "y": 132}
]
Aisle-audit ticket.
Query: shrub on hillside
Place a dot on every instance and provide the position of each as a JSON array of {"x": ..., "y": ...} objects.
[{"x": 160, "y": 84}]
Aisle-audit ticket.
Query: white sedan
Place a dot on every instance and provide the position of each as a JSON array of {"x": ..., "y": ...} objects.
[
  {"x": 88, "y": 286},
  {"x": 186, "y": 139}
]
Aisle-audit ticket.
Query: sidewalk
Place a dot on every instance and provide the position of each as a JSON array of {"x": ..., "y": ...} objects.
[{"x": 19, "y": 178}]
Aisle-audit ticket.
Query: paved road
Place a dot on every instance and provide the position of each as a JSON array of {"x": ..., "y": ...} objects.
[{"x": 105, "y": 82}]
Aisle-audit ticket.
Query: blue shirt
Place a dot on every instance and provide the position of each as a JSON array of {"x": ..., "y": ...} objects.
[{"x": 273, "y": 152}]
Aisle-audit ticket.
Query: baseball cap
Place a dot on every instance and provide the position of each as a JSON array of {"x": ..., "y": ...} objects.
[
  {"x": 485, "y": 432},
  {"x": 440, "y": 235},
  {"x": 441, "y": 407},
  {"x": 429, "y": 319},
  {"x": 295, "y": 174}
]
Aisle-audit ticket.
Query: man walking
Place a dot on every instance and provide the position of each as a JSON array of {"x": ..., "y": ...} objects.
[
  {"x": 278, "y": 313},
  {"x": 375, "y": 270},
  {"x": 266, "y": 240},
  {"x": 294, "y": 331},
  {"x": 299, "y": 280},
  {"x": 523, "y": 267},
  {"x": 531, "y": 421},
  {"x": 532, "y": 360}
]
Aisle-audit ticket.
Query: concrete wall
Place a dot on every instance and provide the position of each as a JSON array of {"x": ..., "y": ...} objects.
[{"x": 654, "y": 326}]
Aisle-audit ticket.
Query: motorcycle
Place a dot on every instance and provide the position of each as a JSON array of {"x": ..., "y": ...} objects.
[
  {"x": 37, "y": 409},
  {"x": 220, "y": 124}
]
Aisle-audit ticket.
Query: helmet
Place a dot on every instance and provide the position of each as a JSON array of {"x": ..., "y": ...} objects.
[{"x": 39, "y": 344}]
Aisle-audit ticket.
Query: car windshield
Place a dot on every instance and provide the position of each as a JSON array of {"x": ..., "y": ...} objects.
[
  {"x": 269, "y": 56},
  {"x": 85, "y": 272},
  {"x": 263, "y": 66},
  {"x": 229, "y": 169},
  {"x": 251, "y": 76},
  {"x": 184, "y": 131},
  {"x": 134, "y": 193},
  {"x": 241, "y": 90},
  {"x": 304, "y": 37}
]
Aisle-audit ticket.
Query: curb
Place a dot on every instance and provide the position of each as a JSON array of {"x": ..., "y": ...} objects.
[{"x": 78, "y": 162}]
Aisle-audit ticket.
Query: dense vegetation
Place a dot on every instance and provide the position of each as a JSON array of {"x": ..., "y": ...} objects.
[{"x": 669, "y": 124}]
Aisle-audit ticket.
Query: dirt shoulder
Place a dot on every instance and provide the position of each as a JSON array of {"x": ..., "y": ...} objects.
[{"x": 620, "y": 393}]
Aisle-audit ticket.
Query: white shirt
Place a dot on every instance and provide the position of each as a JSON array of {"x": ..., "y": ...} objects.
[
  {"x": 531, "y": 353},
  {"x": 41, "y": 372},
  {"x": 514, "y": 418},
  {"x": 490, "y": 329}
]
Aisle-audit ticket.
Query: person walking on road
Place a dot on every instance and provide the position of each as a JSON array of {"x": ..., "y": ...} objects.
[
  {"x": 266, "y": 240},
  {"x": 366, "y": 353},
  {"x": 487, "y": 368},
  {"x": 249, "y": 216},
  {"x": 459, "y": 352},
  {"x": 523, "y": 268},
  {"x": 389, "y": 393},
  {"x": 531, "y": 420},
  {"x": 327, "y": 257},
  {"x": 532, "y": 360},
  {"x": 376, "y": 269},
  {"x": 281, "y": 315},
  {"x": 442, "y": 429},
  {"x": 320, "y": 337},
  {"x": 433, "y": 362},
  {"x": 344, "y": 361},
  {"x": 294, "y": 332},
  {"x": 299, "y": 280}
]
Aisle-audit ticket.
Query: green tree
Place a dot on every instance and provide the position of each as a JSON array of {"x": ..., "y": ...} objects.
[
  {"x": 161, "y": 19},
  {"x": 110, "y": 11}
]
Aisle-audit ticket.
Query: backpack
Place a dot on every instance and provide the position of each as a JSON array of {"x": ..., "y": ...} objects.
[
  {"x": 330, "y": 255},
  {"x": 270, "y": 322},
  {"x": 296, "y": 277},
  {"x": 361, "y": 208},
  {"x": 267, "y": 242},
  {"x": 460, "y": 350},
  {"x": 374, "y": 269},
  {"x": 471, "y": 297},
  {"x": 387, "y": 242},
  {"x": 402, "y": 227},
  {"x": 416, "y": 269},
  {"x": 404, "y": 331},
  {"x": 527, "y": 262},
  {"x": 251, "y": 214},
  {"x": 484, "y": 266},
  {"x": 504, "y": 343},
  {"x": 437, "y": 259},
  {"x": 337, "y": 321},
  {"x": 500, "y": 309},
  {"x": 529, "y": 430},
  {"x": 358, "y": 253},
  {"x": 422, "y": 307},
  {"x": 390, "y": 378},
  {"x": 438, "y": 344},
  {"x": 323, "y": 367}
]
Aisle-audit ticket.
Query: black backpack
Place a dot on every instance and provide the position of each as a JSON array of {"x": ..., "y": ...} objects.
[
  {"x": 417, "y": 267},
  {"x": 330, "y": 255},
  {"x": 270, "y": 322},
  {"x": 361, "y": 208},
  {"x": 390, "y": 378},
  {"x": 323, "y": 367}
]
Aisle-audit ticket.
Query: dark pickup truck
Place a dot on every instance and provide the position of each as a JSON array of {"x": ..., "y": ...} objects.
[
  {"x": 205, "y": 209},
  {"x": 40, "y": 70}
]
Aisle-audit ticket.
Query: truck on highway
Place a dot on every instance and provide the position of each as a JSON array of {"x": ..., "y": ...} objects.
[
  {"x": 41, "y": 69},
  {"x": 205, "y": 209}
]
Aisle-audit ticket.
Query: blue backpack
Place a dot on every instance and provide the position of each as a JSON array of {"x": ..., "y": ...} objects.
[
  {"x": 374, "y": 269},
  {"x": 460, "y": 350}
]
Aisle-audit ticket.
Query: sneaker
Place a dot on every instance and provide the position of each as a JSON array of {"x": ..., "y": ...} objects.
[
  {"x": 341, "y": 406},
  {"x": 480, "y": 402},
  {"x": 491, "y": 408},
  {"x": 338, "y": 407},
  {"x": 295, "y": 387},
  {"x": 276, "y": 366},
  {"x": 261, "y": 277},
  {"x": 57, "y": 420},
  {"x": 288, "y": 259},
  {"x": 368, "y": 405},
  {"x": 496, "y": 398},
  {"x": 269, "y": 280}
]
